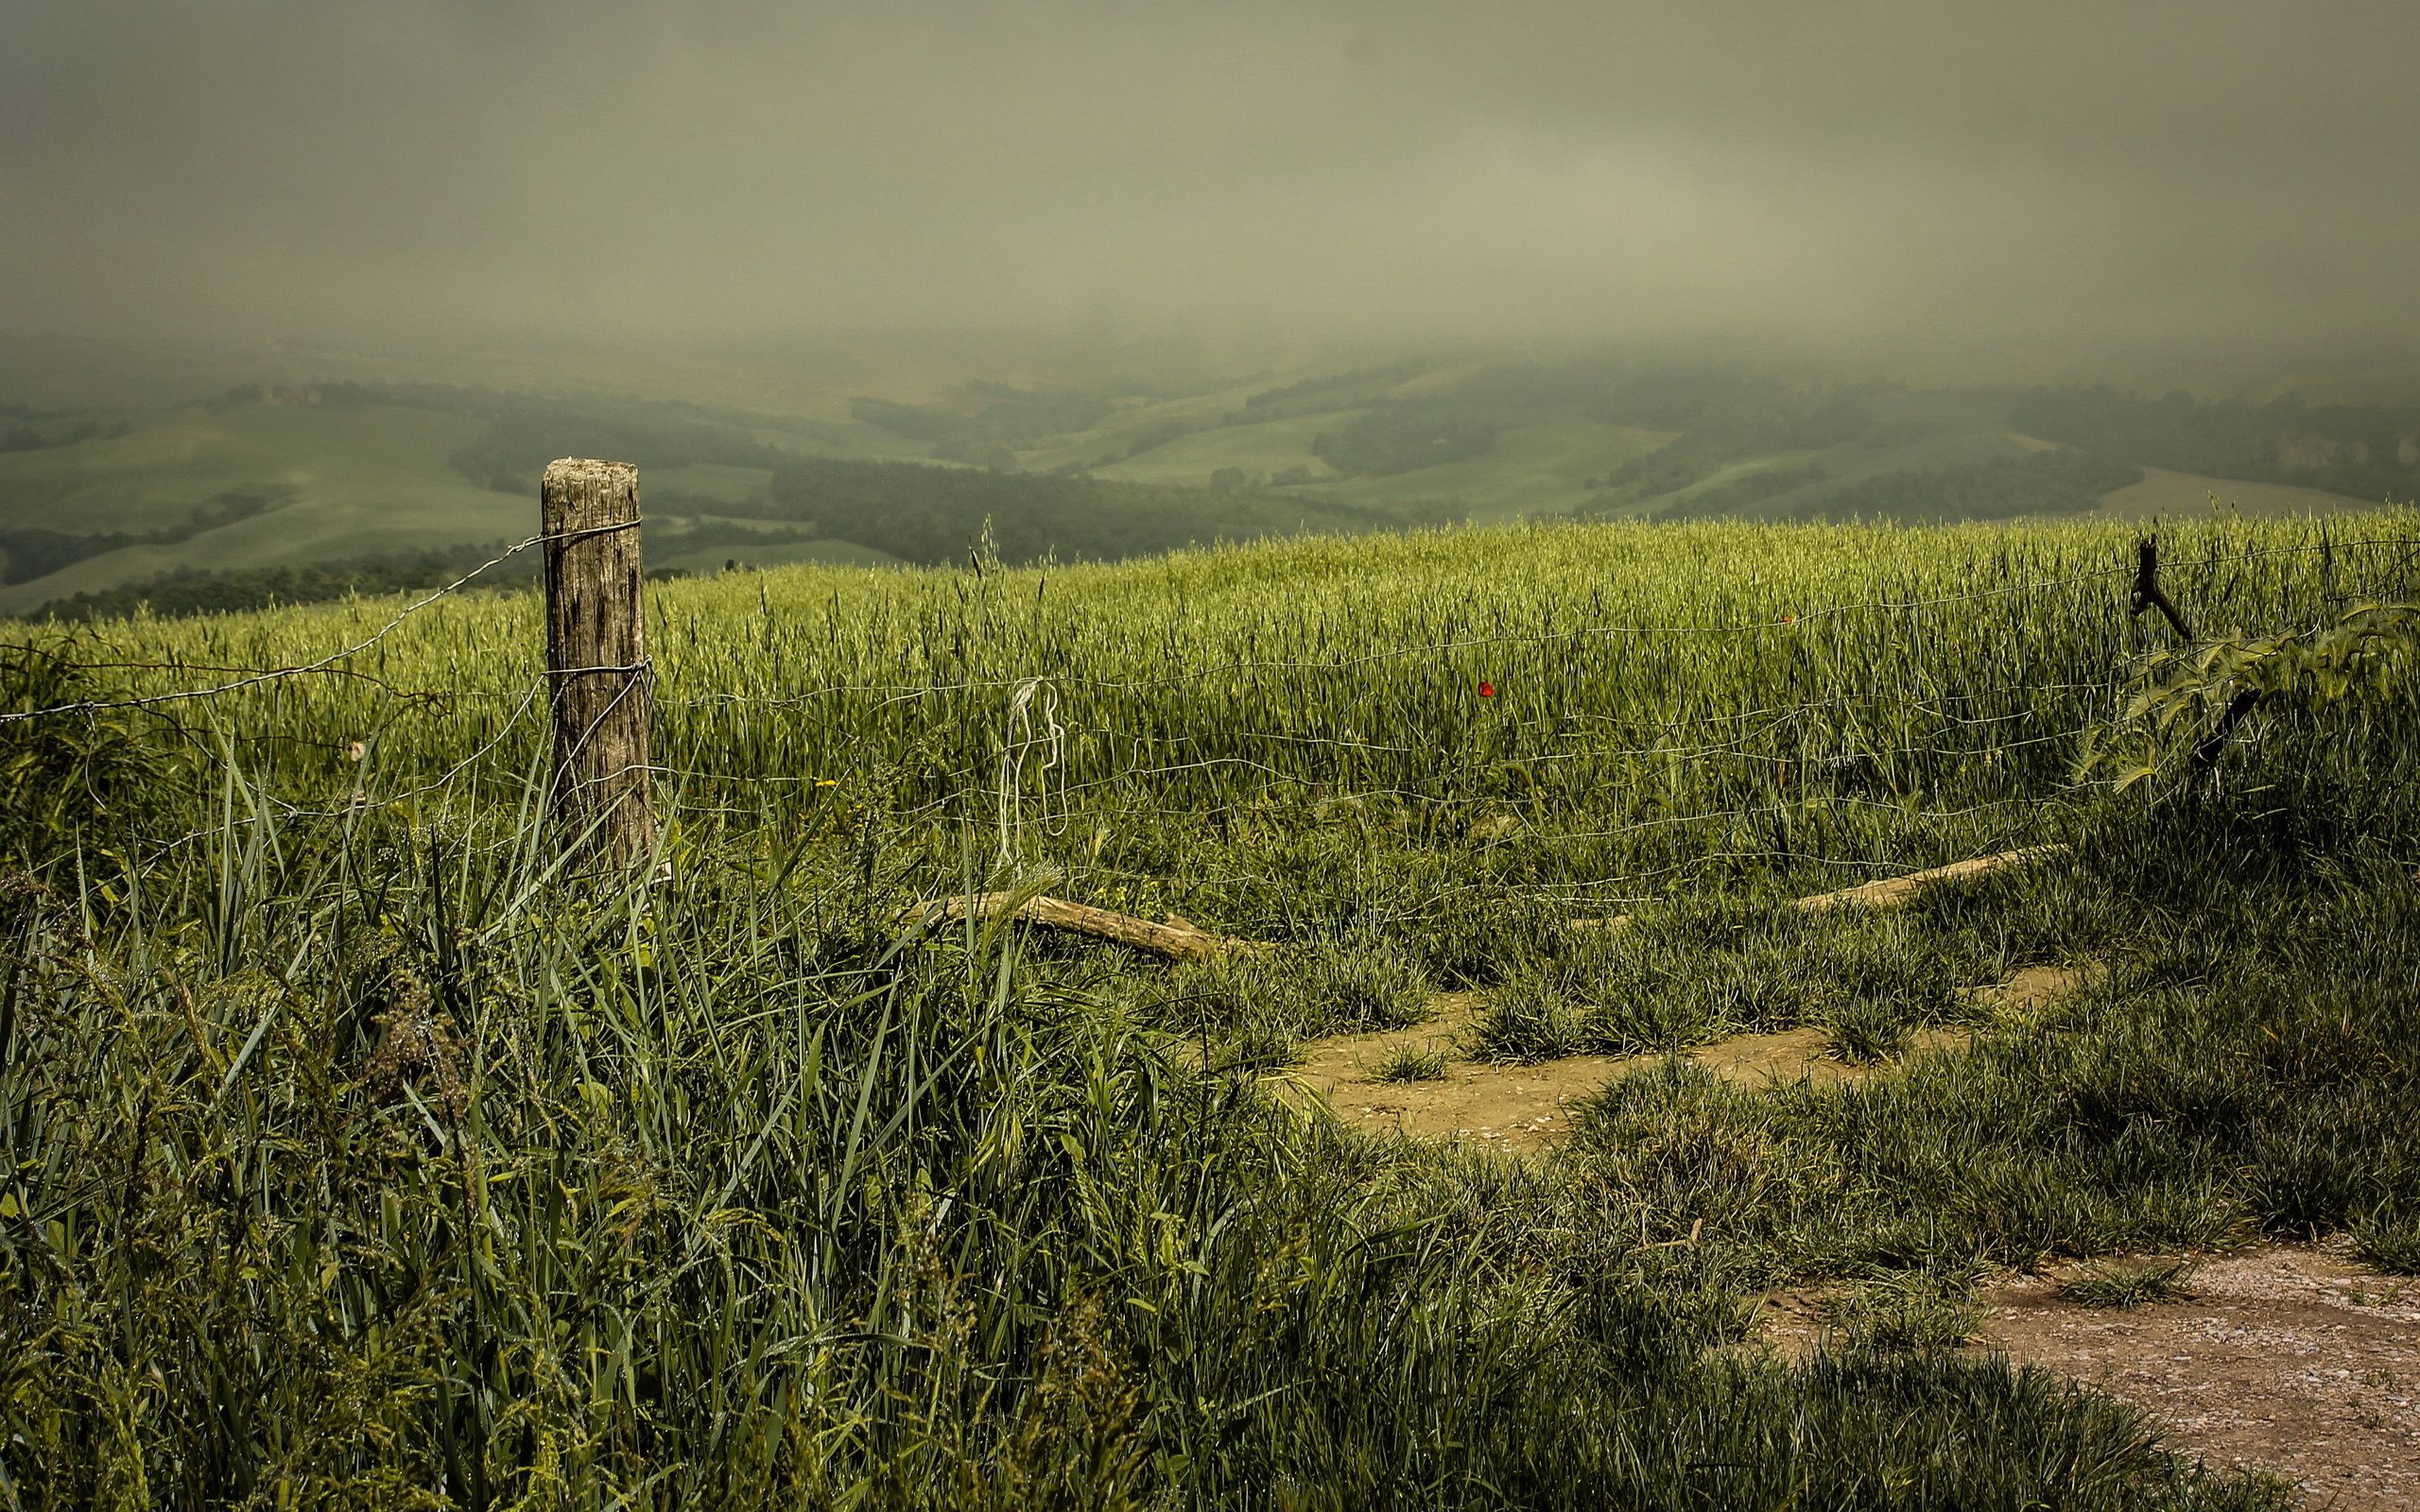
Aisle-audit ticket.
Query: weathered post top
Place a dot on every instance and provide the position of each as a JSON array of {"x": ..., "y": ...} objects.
[{"x": 579, "y": 483}]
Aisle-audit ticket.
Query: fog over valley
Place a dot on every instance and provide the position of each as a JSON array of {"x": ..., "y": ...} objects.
[
  {"x": 2062, "y": 177},
  {"x": 297, "y": 297}
]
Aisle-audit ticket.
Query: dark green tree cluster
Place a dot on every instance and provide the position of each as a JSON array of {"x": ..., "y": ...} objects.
[
  {"x": 28, "y": 438},
  {"x": 2059, "y": 481},
  {"x": 1742, "y": 494},
  {"x": 1401, "y": 438},
  {"x": 37, "y": 551},
  {"x": 1323, "y": 393},
  {"x": 517, "y": 444},
  {"x": 989, "y": 423},
  {"x": 2367, "y": 451},
  {"x": 1729, "y": 421},
  {"x": 185, "y": 593},
  {"x": 921, "y": 513}
]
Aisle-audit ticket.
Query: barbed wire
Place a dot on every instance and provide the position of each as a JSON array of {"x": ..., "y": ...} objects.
[
  {"x": 328, "y": 665},
  {"x": 1129, "y": 763},
  {"x": 254, "y": 679}
]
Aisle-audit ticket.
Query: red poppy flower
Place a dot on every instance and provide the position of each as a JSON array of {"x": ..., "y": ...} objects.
[{"x": 1486, "y": 689}]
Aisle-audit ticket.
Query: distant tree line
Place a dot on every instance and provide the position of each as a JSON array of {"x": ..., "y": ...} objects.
[
  {"x": 1135, "y": 443},
  {"x": 1720, "y": 416},
  {"x": 1324, "y": 394},
  {"x": 704, "y": 535},
  {"x": 993, "y": 421},
  {"x": 1742, "y": 494},
  {"x": 923, "y": 513},
  {"x": 2052, "y": 482},
  {"x": 26, "y": 437},
  {"x": 1400, "y": 437},
  {"x": 517, "y": 444},
  {"x": 185, "y": 593},
  {"x": 1748, "y": 423},
  {"x": 2059, "y": 481},
  {"x": 2367, "y": 451},
  {"x": 188, "y": 591},
  {"x": 32, "y": 552}
]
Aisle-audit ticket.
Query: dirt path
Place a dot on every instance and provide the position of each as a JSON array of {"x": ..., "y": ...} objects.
[
  {"x": 1526, "y": 1107},
  {"x": 2290, "y": 1359}
]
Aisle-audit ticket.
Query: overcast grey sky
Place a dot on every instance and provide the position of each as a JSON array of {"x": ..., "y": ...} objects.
[{"x": 2036, "y": 170}]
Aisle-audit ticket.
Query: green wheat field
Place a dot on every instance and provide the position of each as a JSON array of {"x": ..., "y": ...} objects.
[{"x": 363, "y": 1151}]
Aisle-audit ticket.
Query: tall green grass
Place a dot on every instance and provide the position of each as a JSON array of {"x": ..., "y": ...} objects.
[
  {"x": 1291, "y": 739},
  {"x": 358, "y": 1154},
  {"x": 383, "y": 1171}
]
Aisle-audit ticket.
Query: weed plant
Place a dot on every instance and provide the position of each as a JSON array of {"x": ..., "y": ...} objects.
[
  {"x": 1410, "y": 1063},
  {"x": 1912, "y": 1310},
  {"x": 1867, "y": 1032},
  {"x": 2119, "y": 1284},
  {"x": 2389, "y": 1238},
  {"x": 1255, "y": 1009},
  {"x": 1683, "y": 974}
]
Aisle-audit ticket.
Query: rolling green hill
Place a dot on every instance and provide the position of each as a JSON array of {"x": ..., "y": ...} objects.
[{"x": 357, "y": 473}]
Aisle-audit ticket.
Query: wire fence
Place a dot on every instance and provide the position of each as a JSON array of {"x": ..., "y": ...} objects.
[
  {"x": 1586, "y": 799},
  {"x": 333, "y": 663}
]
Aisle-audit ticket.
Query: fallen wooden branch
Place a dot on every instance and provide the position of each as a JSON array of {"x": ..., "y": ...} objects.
[
  {"x": 1889, "y": 892},
  {"x": 1180, "y": 941},
  {"x": 1896, "y": 892},
  {"x": 1176, "y": 940}
]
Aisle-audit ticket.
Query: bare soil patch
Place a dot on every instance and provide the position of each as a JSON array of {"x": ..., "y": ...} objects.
[
  {"x": 2290, "y": 1359},
  {"x": 1518, "y": 1106}
]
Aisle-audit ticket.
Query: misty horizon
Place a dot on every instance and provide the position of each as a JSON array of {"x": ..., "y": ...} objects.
[{"x": 2053, "y": 182}]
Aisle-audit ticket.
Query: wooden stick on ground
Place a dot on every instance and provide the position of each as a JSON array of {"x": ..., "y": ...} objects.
[
  {"x": 1179, "y": 940},
  {"x": 1896, "y": 892},
  {"x": 1175, "y": 940},
  {"x": 1889, "y": 892}
]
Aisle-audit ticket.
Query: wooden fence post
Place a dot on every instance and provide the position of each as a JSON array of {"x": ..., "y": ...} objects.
[{"x": 596, "y": 670}]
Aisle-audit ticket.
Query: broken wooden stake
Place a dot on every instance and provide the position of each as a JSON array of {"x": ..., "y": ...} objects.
[{"x": 1896, "y": 892}]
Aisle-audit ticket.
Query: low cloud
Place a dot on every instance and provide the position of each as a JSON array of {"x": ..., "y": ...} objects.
[{"x": 2050, "y": 175}]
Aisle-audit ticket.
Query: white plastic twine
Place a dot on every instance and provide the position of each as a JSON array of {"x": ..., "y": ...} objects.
[{"x": 1017, "y": 739}]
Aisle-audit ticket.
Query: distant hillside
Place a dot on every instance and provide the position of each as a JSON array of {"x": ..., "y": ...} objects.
[
  {"x": 2369, "y": 452},
  {"x": 287, "y": 487},
  {"x": 921, "y": 513}
]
